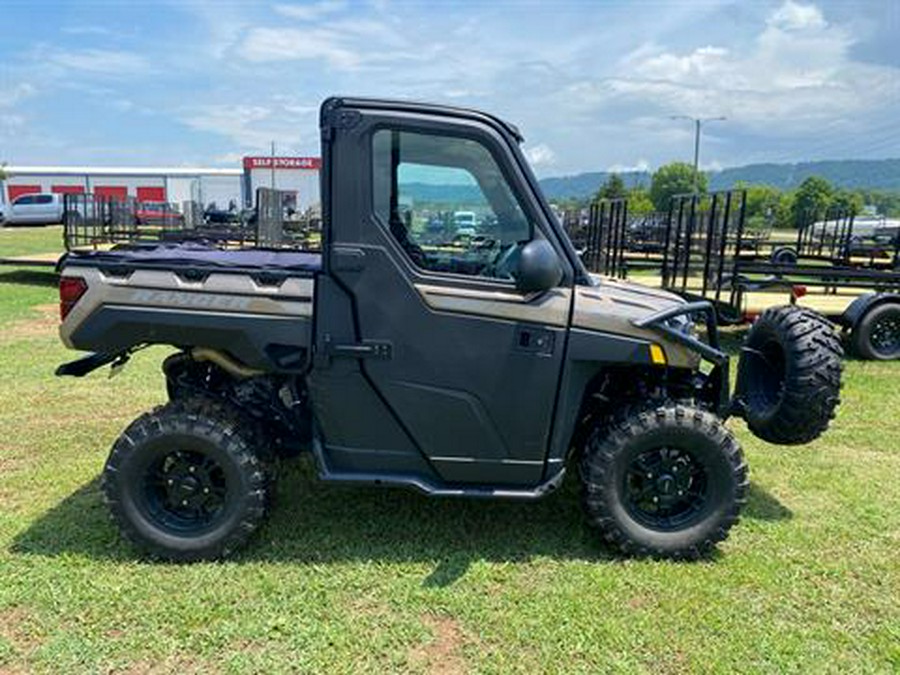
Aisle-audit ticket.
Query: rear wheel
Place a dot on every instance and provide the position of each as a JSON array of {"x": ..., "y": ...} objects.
[
  {"x": 667, "y": 482},
  {"x": 184, "y": 483},
  {"x": 877, "y": 335}
]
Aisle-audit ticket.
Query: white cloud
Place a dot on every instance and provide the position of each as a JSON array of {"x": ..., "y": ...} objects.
[
  {"x": 702, "y": 62},
  {"x": 13, "y": 95},
  {"x": 348, "y": 45},
  {"x": 799, "y": 71},
  {"x": 97, "y": 61},
  {"x": 291, "y": 126},
  {"x": 10, "y": 123},
  {"x": 540, "y": 155},
  {"x": 640, "y": 165},
  {"x": 789, "y": 76},
  {"x": 87, "y": 30},
  {"x": 310, "y": 12},
  {"x": 795, "y": 16},
  {"x": 229, "y": 158},
  {"x": 264, "y": 45}
]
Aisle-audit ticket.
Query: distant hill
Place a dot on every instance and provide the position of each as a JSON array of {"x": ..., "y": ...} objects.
[
  {"x": 883, "y": 174},
  {"x": 440, "y": 194}
]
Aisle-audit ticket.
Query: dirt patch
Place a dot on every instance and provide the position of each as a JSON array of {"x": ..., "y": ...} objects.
[
  {"x": 442, "y": 655},
  {"x": 9, "y": 464},
  {"x": 182, "y": 665},
  {"x": 44, "y": 323},
  {"x": 18, "y": 628}
]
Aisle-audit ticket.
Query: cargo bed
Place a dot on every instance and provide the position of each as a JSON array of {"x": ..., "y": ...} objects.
[
  {"x": 192, "y": 256},
  {"x": 255, "y": 305}
]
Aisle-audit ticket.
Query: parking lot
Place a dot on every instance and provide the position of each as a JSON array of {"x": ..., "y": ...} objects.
[{"x": 360, "y": 580}]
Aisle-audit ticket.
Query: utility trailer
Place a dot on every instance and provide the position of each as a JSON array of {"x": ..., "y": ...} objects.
[
  {"x": 708, "y": 254},
  {"x": 100, "y": 223},
  {"x": 833, "y": 236}
]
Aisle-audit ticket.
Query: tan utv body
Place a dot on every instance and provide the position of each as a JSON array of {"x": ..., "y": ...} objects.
[{"x": 481, "y": 366}]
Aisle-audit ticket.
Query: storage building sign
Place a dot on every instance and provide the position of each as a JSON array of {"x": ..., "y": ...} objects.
[{"x": 308, "y": 163}]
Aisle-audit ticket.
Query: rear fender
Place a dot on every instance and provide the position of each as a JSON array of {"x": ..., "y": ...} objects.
[{"x": 861, "y": 306}]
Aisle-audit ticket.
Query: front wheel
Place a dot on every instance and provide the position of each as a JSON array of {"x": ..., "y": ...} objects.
[
  {"x": 185, "y": 483},
  {"x": 667, "y": 482}
]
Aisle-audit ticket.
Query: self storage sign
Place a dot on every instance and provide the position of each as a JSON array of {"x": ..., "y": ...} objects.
[{"x": 307, "y": 163}]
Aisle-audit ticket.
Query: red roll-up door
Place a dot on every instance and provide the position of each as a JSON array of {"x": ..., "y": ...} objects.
[
  {"x": 18, "y": 190},
  {"x": 112, "y": 191},
  {"x": 151, "y": 194},
  {"x": 67, "y": 189}
]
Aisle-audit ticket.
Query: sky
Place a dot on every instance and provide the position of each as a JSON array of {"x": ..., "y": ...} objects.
[{"x": 592, "y": 85}]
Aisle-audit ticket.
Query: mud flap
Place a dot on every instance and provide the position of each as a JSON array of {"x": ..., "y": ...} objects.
[{"x": 88, "y": 364}]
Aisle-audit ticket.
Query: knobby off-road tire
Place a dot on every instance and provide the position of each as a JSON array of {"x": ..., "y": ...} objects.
[
  {"x": 185, "y": 482},
  {"x": 667, "y": 482},
  {"x": 251, "y": 429},
  {"x": 877, "y": 335},
  {"x": 789, "y": 377}
]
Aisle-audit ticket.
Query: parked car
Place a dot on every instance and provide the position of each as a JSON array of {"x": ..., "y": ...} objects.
[
  {"x": 157, "y": 213},
  {"x": 40, "y": 208},
  {"x": 465, "y": 222}
]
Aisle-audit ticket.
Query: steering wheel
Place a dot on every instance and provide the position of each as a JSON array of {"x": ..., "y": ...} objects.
[{"x": 503, "y": 264}]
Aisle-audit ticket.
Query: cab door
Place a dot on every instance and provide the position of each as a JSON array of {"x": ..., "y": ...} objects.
[
  {"x": 25, "y": 209},
  {"x": 442, "y": 364},
  {"x": 46, "y": 210}
]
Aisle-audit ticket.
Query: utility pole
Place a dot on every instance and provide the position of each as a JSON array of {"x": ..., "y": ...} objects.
[
  {"x": 273, "y": 165},
  {"x": 698, "y": 124}
]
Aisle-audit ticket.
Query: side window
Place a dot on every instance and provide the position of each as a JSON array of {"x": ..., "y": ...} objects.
[
  {"x": 44, "y": 199},
  {"x": 447, "y": 203},
  {"x": 24, "y": 200}
]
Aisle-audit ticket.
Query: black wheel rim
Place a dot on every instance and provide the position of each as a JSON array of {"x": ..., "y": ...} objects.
[
  {"x": 885, "y": 335},
  {"x": 767, "y": 374},
  {"x": 666, "y": 488},
  {"x": 186, "y": 491}
]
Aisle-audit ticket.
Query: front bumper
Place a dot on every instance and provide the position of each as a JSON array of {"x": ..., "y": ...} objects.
[{"x": 710, "y": 350}]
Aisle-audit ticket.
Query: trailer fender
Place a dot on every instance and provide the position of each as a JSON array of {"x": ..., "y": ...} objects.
[{"x": 861, "y": 306}]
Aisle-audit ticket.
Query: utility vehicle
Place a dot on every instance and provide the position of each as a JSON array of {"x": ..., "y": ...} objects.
[{"x": 480, "y": 371}]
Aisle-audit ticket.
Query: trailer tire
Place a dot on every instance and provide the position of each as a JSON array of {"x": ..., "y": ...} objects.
[
  {"x": 666, "y": 482},
  {"x": 184, "y": 483},
  {"x": 789, "y": 376},
  {"x": 784, "y": 255},
  {"x": 876, "y": 336}
]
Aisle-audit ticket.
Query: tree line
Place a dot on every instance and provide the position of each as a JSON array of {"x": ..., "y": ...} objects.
[{"x": 766, "y": 206}]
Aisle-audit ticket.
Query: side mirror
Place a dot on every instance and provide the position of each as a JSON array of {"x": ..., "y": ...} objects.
[{"x": 539, "y": 267}]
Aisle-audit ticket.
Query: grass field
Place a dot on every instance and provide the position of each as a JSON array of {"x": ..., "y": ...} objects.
[{"x": 364, "y": 580}]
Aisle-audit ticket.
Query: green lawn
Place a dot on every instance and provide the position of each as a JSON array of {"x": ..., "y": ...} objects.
[
  {"x": 16, "y": 241},
  {"x": 367, "y": 580}
]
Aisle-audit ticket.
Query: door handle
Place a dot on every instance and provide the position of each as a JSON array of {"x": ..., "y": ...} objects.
[
  {"x": 367, "y": 349},
  {"x": 534, "y": 340},
  {"x": 346, "y": 259}
]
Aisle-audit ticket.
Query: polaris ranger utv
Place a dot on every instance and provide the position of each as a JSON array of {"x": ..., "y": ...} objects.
[{"x": 480, "y": 369}]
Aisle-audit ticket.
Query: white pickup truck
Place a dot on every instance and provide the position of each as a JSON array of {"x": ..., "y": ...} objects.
[{"x": 41, "y": 208}]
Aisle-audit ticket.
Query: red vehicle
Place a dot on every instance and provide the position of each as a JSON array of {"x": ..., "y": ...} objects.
[{"x": 157, "y": 213}]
